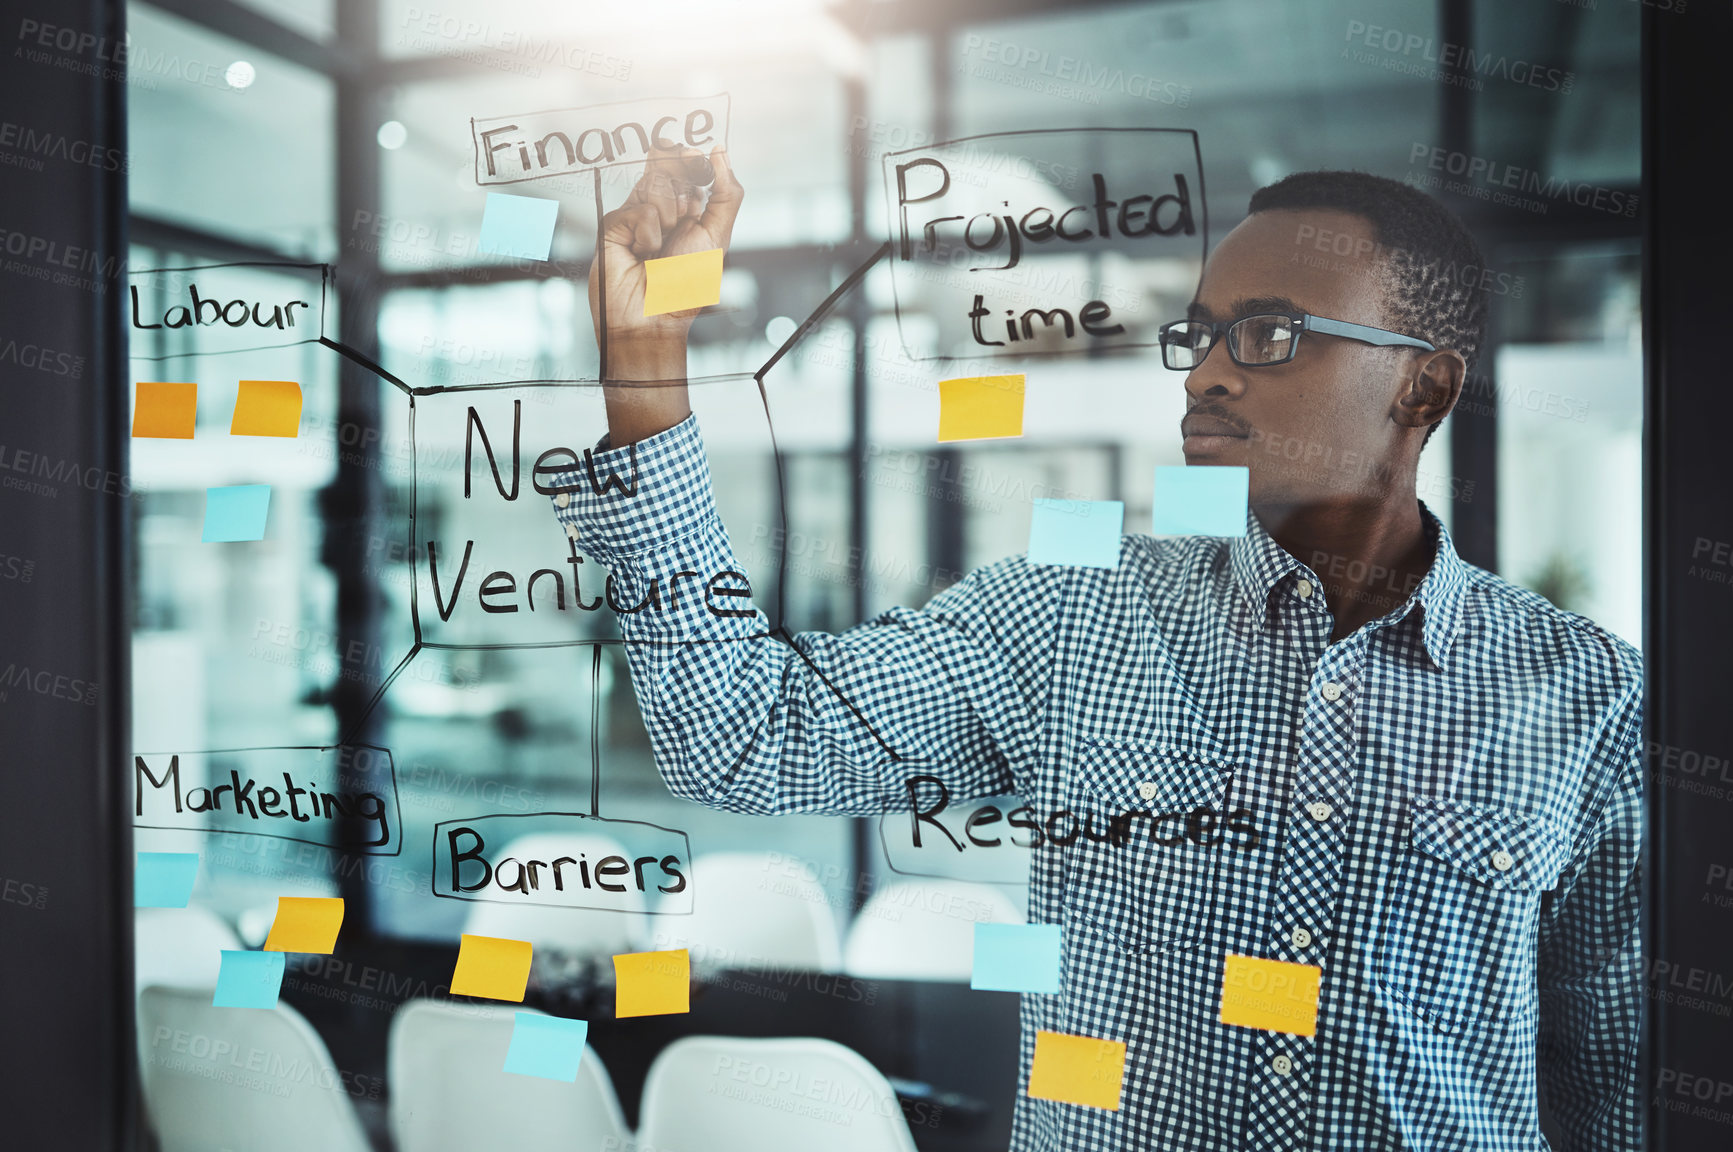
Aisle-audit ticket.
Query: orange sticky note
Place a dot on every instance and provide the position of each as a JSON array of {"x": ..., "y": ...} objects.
[
  {"x": 1077, "y": 1070},
  {"x": 491, "y": 966},
  {"x": 165, "y": 410},
  {"x": 305, "y": 924},
  {"x": 980, "y": 407},
  {"x": 652, "y": 983},
  {"x": 1270, "y": 994},
  {"x": 267, "y": 408},
  {"x": 676, "y": 283}
]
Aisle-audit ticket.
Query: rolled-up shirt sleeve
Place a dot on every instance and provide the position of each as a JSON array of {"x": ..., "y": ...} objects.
[{"x": 743, "y": 720}]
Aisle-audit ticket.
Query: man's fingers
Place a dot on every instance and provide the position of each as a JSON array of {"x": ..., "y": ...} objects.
[
  {"x": 664, "y": 185},
  {"x": 725, "y": 197},
  {"x": 634, "y": 227}
]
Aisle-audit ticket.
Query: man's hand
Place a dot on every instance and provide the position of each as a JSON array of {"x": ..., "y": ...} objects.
[{"x": 665, "y": 214}]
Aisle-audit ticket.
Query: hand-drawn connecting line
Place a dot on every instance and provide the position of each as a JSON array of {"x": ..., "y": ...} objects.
[
  {"x": 780, "y": 630},
  {"x": 817, "y": 316},
  {"x": 326, "y": 272}
]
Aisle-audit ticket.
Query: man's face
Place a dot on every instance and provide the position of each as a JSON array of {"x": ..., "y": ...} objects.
[{"x": 1324, "y": 425}]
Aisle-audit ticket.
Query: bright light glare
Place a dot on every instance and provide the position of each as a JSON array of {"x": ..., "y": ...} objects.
[
  {"x": 392, "y": 135},
  {"x": 704, "y": 29}
]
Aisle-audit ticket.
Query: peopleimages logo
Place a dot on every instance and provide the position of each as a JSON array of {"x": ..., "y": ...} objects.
[
  {"x": 1453, "y": 58},
  {"x": 1089, "y": 80},
  {"x": 1483, "y": 177}
]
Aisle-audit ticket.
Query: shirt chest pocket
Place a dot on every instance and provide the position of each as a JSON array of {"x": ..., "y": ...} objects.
[
  {"x": 1150, "y": 823},
  {"x": 1461, "y": 911}
]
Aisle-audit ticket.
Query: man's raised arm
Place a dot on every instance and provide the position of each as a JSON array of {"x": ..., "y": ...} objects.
[{"x": 738, "y": 719}]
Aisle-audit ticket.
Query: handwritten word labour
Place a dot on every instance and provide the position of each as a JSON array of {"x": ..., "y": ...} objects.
[
  {"x": 193, "y": 312},
  {"x": 225, "y": 308},
  {"x": 1200, "y": 825}
]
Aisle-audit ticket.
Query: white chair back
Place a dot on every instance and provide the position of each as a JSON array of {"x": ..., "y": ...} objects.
[
  {"x": 923, "y": 929},
  {"x": 727, "y": 1094},
  {"x": 179, "y": 947},
  {"x": 243, "y": 1079},
  {"x": 753, "y": 909},
  {"x": 450, "y": 1091}
]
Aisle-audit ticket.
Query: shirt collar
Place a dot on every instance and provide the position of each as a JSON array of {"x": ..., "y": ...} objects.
[{"x": 1259, "y": 564}]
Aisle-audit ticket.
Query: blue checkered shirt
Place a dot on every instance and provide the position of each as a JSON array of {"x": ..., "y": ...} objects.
[{"x": 1442, "y": 811}]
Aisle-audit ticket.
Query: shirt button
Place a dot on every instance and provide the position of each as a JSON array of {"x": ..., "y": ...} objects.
[
  {"x": 1281, "y": 1065},
  {"x": 1319, "y": 811},
  {"x": 1146, "y": 790},
  {"x": 571, "y": 531},
  {"x": 1330, "y": 690},
  {"x": 1502, "y": 861},
  {"x": 1304, "y": 588},
  {"x": 1300, "y": 938},
  {"x": 562, "y": 499}
]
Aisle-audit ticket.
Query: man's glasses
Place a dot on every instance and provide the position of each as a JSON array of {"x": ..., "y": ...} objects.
[{"x": 1265, "y": 339}]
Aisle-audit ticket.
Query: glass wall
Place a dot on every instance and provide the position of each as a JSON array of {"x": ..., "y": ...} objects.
[{"x": 521, "y": 724}]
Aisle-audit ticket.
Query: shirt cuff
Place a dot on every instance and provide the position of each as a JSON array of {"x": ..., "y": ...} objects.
[{"x": 621, "y": 502}]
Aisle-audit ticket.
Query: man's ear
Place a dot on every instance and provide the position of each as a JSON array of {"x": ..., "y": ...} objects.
[{"x": 1433, "y": 386}]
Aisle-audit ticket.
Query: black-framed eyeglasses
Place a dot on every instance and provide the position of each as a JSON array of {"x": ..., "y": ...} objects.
[{"x": 1264, "y": 339}]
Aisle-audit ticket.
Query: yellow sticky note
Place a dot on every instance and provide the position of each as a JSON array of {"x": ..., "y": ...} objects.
[
  {"x": 1270, "y": 994},
  {"x": 676, "y": 283},
  {"x": 165, "y": 411},
  {"x": 267, "y": 408},
  {"x": 305, "y": 924},
  {"x": 1077, "y": 1070},
  {"x": 980, "y": 407},
  {"x": 652, "y": 983},
  {"x": 491, "y": 966}
]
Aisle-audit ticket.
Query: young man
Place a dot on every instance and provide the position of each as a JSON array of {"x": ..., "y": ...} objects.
[{"x": 1330, "y": 743}]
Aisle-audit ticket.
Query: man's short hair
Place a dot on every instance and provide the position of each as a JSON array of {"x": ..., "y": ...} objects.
[{"x": 1431, "y": 269}]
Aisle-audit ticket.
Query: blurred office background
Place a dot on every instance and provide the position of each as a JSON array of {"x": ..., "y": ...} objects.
[{"x": 318, "y": 131}]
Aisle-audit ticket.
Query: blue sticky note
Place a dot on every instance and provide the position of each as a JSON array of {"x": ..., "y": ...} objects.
[
  {"x": 249, "y": 979},
  {"x": 1201, "y": 501},
  {"x": 1080, "y": 532},
  {"x": 521, "y": 226},
  {"x": 548, "y": 1046},
  {"x": 236, "y": 513},
  {"x": 164, "y": 879},
  {"x": 1016, "y": 958}
]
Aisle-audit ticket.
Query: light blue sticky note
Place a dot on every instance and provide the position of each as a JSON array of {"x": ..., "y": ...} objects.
[
  {"x": 548, "y": 1046},
  {"x": 236, "y": 513},
  {"x": 1201, "y": 501},
  {"x": 164, "y": 879},
  {"x": 521, "y": 226},
  {"x": 249, "y": 979},
  {"x": 1016, "y": 958},
  {"x": 1079, "y": 532}
]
